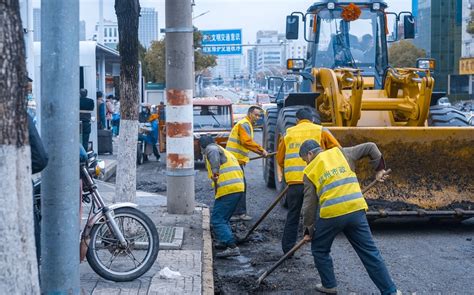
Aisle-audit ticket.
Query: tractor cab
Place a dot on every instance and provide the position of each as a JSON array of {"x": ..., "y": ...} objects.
[{"x": 341, "y": 34}]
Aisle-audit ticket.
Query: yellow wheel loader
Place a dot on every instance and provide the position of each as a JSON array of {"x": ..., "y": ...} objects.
[{"x": 346, "y": 78}]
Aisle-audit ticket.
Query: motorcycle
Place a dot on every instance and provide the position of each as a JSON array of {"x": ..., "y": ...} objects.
[{"x": 120, "y": 242}]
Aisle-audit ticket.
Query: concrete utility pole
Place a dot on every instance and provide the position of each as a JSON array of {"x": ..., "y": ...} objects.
[
  {"x": 60, "y": 133},
  {"x": 179, "y": 108}
]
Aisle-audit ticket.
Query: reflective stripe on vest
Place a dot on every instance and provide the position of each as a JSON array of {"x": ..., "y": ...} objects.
[
  {"x": 233, "y": 143},
  {"x": 295, "y": 136},
  {"x": 231, "y": 177},
  {"x": 336, "y": 184}
]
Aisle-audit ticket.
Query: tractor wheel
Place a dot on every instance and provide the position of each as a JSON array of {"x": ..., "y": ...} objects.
[
  {"x": 287, "y": 119},
  {"x": 268, "y": 142},
  {"x": 446, "y": 116}
]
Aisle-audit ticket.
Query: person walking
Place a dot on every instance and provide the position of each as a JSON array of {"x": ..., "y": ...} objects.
[
  {"x": 288, "y": 159},
  {"x": 101, "y": 121},
  {"x": 116, "y": 116},
  {"x": 228, "y": 182},
  {"x": 333, "y": 203},
  {"x": 109, "y": 110},
  {"x": 86, "y": 106},
  {"x": 240, "y": 143}
]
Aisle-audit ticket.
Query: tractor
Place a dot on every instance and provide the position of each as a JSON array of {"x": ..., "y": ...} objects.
[{"x": 346, "y": 78}]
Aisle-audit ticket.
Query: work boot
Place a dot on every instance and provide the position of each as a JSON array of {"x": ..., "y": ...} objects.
[
  {"x": 245, "y": 217},
  {"x": 229, "y": 252},
  {"x": 235, "y": 218},
  {"x": 324, "y": 290}
]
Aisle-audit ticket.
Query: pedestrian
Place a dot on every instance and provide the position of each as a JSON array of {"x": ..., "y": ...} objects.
[
  {"x": 333, "y": 203},
  {"x": 86, "y": 106},
  {"x": 240, "y": 143},
  {"x": 228, "y": 182},
  {"x": 109, "y": 110},
  {"x": 39, "y": 160},
  {"x": 101, "y": 120},
  {"x": 116, "y": 117},
  {"x": 288, "y": 159}
]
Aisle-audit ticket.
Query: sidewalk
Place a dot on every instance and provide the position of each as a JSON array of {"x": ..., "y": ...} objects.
[{"x": 192, "y": 256}]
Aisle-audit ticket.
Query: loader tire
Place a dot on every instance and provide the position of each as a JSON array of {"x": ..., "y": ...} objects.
[
  {"x": 446, "y": 116},
  {"x": 269, "y": 127},
  {"x": 287, "y": 119}
]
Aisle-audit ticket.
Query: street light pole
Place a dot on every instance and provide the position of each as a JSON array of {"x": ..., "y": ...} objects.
[{"x": 179, "y": 110}]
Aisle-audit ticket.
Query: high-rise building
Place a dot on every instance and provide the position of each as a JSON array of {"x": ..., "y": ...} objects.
[
  {"x": 270, "y": 52},
  {"x": 82, "y": 30},
  {"x": 111, "y": 35},
  {"x": 228, "y": 66},
  {"x": 252, "y": 60},
  {"x": 148, "y": 26},
  {"x": 438, "y": 30},
  {"x": 37, "y": 26},
  {"x": 464, "y": 83},
  {"x": 296, "y": 49}
]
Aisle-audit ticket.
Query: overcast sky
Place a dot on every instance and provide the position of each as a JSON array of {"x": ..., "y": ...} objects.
[{"x": 248, "y": 15}]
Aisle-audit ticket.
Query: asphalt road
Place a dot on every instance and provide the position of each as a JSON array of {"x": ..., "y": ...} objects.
[{"x": 422, "y": 257}]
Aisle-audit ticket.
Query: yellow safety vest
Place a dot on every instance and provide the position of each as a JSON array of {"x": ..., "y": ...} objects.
[
  {"x": 336, "y": 184},
  {"x": 231, "y": 177},
  {"x": 233, "y": 144},
  {"x": 295, "y": 136}
]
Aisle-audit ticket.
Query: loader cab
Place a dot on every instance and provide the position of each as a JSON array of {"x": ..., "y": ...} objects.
[{"x": 336, "y": 41}]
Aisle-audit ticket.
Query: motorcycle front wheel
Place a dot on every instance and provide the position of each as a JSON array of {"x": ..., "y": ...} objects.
[{"x": 114, "y": 262}]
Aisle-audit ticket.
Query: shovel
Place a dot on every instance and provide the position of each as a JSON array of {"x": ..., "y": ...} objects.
[
  {"x": 264, "y": 215},
  {"x": 259, "y": 157},
  {"x": 302, "y": 242}
]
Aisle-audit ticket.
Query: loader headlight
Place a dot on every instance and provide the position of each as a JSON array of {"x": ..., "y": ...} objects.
[
  {"x": 376, "y": 6},
  {"x": 426, "y": 63},
  {"x": 295, "y": 64},
  {"x": 331, "y": 5}
]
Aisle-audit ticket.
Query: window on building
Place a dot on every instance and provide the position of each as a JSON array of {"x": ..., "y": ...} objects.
[
  {"x": 115, "y": 32},
  {"x": 105, "y": 32}
]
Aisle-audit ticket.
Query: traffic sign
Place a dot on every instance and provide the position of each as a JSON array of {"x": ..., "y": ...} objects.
[{"x": 222, "y": 42}]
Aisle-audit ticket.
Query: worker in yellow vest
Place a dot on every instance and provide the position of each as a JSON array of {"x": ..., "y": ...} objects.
[
  {"x": 333, "y": 203},
  {"x": 228, "y": 182},
  {"x": 240, "y": 143},
  {"x": 289, "y": 160}
]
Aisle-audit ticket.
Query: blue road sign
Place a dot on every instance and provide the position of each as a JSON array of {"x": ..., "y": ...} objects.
[{"x": 222, "y": 42}]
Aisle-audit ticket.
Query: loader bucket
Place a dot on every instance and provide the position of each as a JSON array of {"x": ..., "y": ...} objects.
[{"x": 433, "y": 170}]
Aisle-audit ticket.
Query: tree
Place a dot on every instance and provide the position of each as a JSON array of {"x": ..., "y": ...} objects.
[
  {"x": 404, "y": 54},
  {"x": 470, "y": 24},
  {"x": 19, "y": 270},
  {"x": 155, "y": 59},
  {"x": 128, "y": 12}
]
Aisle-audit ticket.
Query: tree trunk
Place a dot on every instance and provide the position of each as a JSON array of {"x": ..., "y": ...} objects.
[
  {"x": 18, "y": 267},
  {"x": 127, "y": 12}
]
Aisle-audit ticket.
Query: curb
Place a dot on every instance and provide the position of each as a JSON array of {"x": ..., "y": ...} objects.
[{"x": 207, "y": 262}]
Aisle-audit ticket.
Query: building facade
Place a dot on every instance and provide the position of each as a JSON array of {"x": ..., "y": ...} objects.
[
  {"x": 270, "y": 52},
  {"x": 148, "y": 26},
  {"x": 252, "y": 61},
  {"x": 438, "y": 32},
  {"x": 228, "y": 66},
  {"x": 111, "y": 35}
]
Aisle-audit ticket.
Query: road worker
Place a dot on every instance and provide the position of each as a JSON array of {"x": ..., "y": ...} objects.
[
  {"x": 333, "y": 203},
  {"x": 288, "y": 159},
  {"x": 240, "y": 143},
  {"x": 228, "y": 182}
]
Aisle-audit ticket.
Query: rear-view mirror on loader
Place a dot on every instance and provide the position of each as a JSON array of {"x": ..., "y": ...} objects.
[{"x": 292, "y": 27}]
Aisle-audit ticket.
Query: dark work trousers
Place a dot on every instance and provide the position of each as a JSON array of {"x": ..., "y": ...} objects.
[
  {"x": 356, "y": 229},
  {"x": 294, "y": 198},
  {"x": 220, "y": 216},
  {"x": 242, "y": 205},
  {"x": 86, "y": 131}
]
